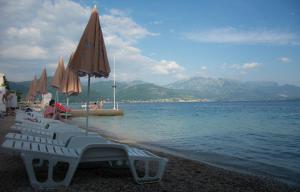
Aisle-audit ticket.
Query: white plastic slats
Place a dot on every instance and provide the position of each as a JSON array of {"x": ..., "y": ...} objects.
[
  {"x": 58, "y": 150},
  {"x": 50, "y": 149},
  {"x": 26, "y": 146},
  {"x": 30, "y": 138},
  {"x": 18, "y": 144},
  {"x": 8, "y": 143},
  {"x": 42, "y": 148},
  {"x": 69, "y": 152},
  {"x": 34, "y": 147},
  {"x": 23, "y": 137},
  {"x": 43, "y": 140},
  {"x": 37, "y": 139}
]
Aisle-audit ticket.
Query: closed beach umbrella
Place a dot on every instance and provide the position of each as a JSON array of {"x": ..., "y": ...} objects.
[
  {"x": 28, "y": 97},
  {"x": 42, "y": 83},
  {"x": 42, "y": 86},
  {"x": 58, "y": 76},
  {"x": 32, "y": 90},
  {"x": 90, "y": 57},
  {"x": 70, "y": 83}
]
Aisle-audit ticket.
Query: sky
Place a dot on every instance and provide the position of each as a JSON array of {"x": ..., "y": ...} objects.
[{"x": 158, "y": 41}]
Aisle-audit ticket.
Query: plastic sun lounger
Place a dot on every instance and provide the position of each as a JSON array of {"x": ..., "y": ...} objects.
[
  {"x": 53, "y": 127},
  {"x": 93, "y": 149},
  {"x": 34, "y": 139},
  {"x": 144, "y": 165},
  {"x": 62, "y": 138},
  {"x": 37, "y": 155}
]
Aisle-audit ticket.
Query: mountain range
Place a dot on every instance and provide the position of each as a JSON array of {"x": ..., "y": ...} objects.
[{"x": 193, "y": 89}]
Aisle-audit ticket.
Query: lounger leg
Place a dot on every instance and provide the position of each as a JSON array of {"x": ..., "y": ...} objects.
[
  {"x": 147, "y": 178},
  {"x": 49, "y": 183}
]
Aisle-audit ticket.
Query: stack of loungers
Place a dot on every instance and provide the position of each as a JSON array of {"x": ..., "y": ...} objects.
[{"x": 46, "y": 142}]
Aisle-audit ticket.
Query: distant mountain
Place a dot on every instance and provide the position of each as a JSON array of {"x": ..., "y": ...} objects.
[
  {"x": 228, "y": 89},
  {"x": 212, "y": 89}
]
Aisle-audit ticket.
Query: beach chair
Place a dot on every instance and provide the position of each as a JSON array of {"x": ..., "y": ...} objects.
[
  {"x": 37, "y": 155},
  {"x": 144, "y": 166},
  {"x": 62, "y": 139}
]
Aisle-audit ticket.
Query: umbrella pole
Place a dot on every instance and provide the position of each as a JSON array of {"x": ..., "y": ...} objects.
[
  {"x": 67, "y": 106},
  {"x": 87, "y": 105},
  {"x": 56, "y": 96}
]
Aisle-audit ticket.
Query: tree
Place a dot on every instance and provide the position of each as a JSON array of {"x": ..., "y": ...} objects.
[{"x": 6, "y": 83}]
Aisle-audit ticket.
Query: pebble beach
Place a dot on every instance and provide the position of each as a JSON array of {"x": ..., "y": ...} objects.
[{"x": 181, "y": 175}]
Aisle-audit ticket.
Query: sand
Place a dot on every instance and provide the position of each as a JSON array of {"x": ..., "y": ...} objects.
[{"x": 181, "y": 175}]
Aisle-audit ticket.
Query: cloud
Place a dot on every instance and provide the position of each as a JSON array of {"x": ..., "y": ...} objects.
[
  {"x": 249, "y": 66},
  {"x": 243, "y": 67},
  {"x": 238, "y": 36},
  {"x": 34, "y": 34},
  {"x": 167, "y": 67},
  {"x": 284, "y": 59},
  {"x": 156, "y": 22},
  {"x": 23, "y": 52}
]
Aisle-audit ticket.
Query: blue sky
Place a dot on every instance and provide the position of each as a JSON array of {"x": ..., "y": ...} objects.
[{"x": 160, "y": 41}]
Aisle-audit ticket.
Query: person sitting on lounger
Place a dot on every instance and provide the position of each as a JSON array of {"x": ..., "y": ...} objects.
[{"x": 51, "y": 112}]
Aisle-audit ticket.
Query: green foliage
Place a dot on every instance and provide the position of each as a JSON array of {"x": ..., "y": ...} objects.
[{"x": 6, "y": 83}]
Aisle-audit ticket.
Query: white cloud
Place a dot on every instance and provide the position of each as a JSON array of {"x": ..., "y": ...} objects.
[
  {"x": 39, "y": 32},
  {"x": 249, "y": 66},
  {"x": 203, "y": 68},
  {"x": 237, "y": 36},
  {"x": 167, "y": 67},
  {"x": 243, "y": 67},
  {"x": 23, "y": 52},
  {"x": 284, "y": 59}
]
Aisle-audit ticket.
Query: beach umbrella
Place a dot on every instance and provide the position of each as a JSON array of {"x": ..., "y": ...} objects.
[
  {"x": 32, "y": 90},
  {"x": 58, "y": 76},
  {"x": 70, "y": 83},
  {"x": 90, "y": 57},
  {"x": 28, "y": 97},
  {"x": 42, "y": 85}
]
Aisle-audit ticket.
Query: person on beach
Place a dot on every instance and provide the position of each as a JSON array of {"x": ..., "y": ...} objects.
[
  {"x": 51, "y": 112},
  {"x": 100, "y": 103},
  {"x": 6, "y": 100},
  {"x": 94, "y": 106}
]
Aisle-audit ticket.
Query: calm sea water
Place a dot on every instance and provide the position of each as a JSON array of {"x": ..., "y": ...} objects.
[{"x": 255, "y": 137}]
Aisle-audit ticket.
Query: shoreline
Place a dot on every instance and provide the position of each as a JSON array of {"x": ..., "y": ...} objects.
[
  {"x": 178, "y": 154},
  {"x": 180, "y": 175}
]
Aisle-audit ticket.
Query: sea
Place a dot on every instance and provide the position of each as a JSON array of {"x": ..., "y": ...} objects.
[{"x": 261, "y": 137}]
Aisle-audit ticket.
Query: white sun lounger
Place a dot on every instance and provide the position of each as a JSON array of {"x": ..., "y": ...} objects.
[
  {"x": 89, "y": 149},
  {"x": 35, "y": 155}
]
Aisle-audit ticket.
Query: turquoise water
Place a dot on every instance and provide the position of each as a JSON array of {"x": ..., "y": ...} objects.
[{"x": 255, "y": 137}]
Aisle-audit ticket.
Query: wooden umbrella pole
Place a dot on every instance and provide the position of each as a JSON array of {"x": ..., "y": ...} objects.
[{"x": 87, "y": 105}]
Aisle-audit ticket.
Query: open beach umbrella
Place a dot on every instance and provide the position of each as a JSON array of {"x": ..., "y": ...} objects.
[
  {"x": 58, "y": 76},
  {"x": 70, "y": 84},
  {"x": 42, "y": 84},
  {"x": 90, "y": 57}
]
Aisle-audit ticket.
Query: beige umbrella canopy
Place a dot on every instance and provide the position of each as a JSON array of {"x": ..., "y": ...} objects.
[
  {"x": 32, "y": 90},
  {"x": 59, "y": 74},
  {"x": 70, "y": 83},
  {"x": 42, "y": 83},
  {"x": 90, "y": 57}
]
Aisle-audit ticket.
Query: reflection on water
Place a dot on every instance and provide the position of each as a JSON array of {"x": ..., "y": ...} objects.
[{"x": 260, "y": 137}]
